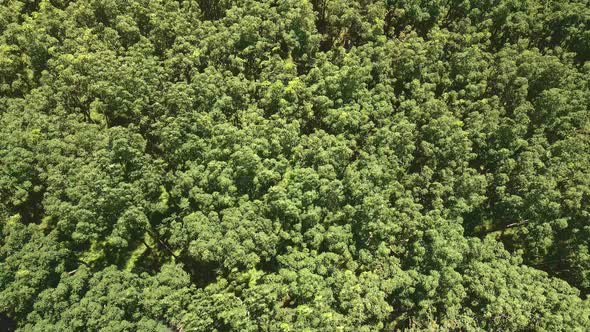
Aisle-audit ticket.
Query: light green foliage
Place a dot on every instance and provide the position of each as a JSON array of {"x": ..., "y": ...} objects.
[{"x": 321, "y": 165}]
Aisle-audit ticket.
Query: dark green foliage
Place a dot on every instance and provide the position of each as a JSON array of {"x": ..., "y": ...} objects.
[{"x": 322, "y": 165}]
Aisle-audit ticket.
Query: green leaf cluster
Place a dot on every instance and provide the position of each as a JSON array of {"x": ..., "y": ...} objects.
[{"x": 295, "y": 165}]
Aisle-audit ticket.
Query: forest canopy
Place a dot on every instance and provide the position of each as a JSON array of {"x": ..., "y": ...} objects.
[{"x": 295, "y": 165}]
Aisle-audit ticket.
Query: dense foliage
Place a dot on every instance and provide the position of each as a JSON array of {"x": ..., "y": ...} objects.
[{"x": 287, "y": 165}]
